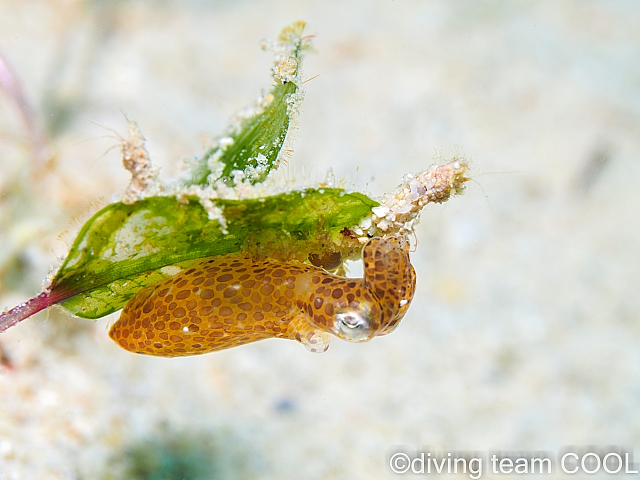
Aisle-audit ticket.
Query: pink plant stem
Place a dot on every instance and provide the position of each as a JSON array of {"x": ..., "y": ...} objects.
[{"x": 25, "y": 310}]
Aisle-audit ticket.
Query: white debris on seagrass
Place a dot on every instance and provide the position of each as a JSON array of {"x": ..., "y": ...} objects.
[
  {"x": 135, "y": 158},
  {"x": 213, "y": 163},
  {"x": 287, "y": 69},
  {"x": 286, "y": 64},
  {"x": 215, "y": 166},
  {"x": 294, "y": 101},
  {"x": 243, "y": 189},
  {"x": 214, "y": 212},
  {"x": 255, "y": 173},
  {"x": 399, "y": 210}
]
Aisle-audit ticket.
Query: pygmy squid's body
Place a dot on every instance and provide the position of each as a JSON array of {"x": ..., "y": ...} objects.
[{"x": 227, "y": 301}]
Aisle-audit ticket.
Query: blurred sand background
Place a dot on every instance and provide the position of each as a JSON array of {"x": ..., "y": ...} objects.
[{"x": 525, "y": 330}]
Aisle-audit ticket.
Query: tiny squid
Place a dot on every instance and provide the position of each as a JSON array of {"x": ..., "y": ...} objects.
[{"x": 231, "y": 300}]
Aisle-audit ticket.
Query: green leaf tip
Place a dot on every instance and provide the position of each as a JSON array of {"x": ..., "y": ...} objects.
[{"x": 256, "y": 141}]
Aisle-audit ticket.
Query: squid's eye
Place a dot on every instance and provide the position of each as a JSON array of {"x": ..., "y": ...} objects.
[{"x": 353, "y": 325}]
